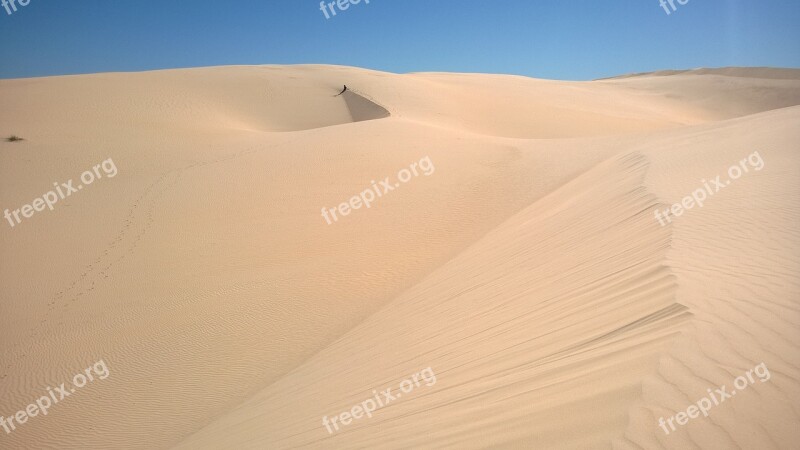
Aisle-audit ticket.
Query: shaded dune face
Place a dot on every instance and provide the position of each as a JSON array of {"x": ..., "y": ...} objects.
[
  {"x": 362, "y": 109},
  {"x": 310, "y": 111}
]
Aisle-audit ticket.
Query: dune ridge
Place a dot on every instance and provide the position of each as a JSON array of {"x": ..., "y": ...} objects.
[{"x": 508, "y": 335}]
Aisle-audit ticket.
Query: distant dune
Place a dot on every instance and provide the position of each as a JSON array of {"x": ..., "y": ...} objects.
[
  {"x": 743, "y": 72},
  {"x": 528, "y": 270}
]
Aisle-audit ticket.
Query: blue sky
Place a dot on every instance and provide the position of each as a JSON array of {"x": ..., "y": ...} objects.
[{"x": 560, "y": 39}]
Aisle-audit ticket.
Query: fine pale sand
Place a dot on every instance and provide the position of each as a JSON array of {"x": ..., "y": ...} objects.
[{"x": 528, "y": 270}]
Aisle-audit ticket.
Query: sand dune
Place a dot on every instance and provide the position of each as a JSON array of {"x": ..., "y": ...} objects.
[
  {"x": 528, "y": 270},
  {"x": 743, "y": 72},
  {"x": 529, "y": 329}
]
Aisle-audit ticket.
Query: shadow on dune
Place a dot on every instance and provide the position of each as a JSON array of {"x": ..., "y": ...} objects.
[{"x": 362, "y": 109}]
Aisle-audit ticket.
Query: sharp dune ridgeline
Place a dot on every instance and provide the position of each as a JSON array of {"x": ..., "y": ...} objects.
[{"x": 529, "y": 271}]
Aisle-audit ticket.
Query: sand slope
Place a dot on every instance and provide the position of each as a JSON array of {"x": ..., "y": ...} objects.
[{"x": 528, "y": 270}]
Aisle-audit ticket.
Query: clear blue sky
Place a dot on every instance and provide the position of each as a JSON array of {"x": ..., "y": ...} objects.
[{"x": 560, "y": 39}]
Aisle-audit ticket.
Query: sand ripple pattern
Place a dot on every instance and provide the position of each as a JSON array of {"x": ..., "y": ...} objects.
[{"x": 562, "y": 315}]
